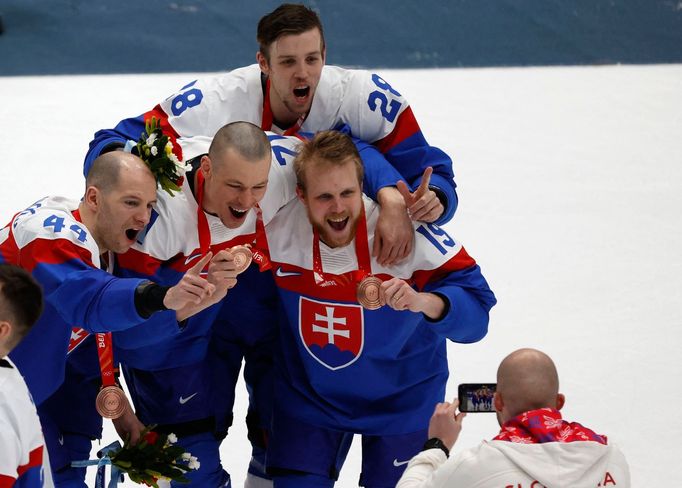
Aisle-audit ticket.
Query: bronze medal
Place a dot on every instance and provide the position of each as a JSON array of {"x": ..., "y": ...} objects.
[
  {"x": 369, "y": 291},
  {"x": 242, "y": 257},
  {"x": 111, "y": 402}
]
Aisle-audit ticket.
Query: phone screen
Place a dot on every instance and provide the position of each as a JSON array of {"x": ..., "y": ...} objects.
[{"x": 476, "y": 397}]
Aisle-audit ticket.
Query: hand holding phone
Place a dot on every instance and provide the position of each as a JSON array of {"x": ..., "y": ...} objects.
[{"x": 476, "y": 397}]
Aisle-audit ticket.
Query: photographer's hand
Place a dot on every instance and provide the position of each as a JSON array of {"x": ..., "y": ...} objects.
[{"x": 446, "y": 423}]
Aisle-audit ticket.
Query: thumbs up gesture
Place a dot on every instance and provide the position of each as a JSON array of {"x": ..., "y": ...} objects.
[{"x": 423, "y": 205}]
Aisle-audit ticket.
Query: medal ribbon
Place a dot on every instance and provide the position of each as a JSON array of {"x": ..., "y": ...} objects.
[
  {"x": 202, "y": 221},
  {"x": 361, "y": 252},
  {"x": 267, "y": 119},
  {"x": 260, "y": 255},
  {"x": 105, "y": 352}
]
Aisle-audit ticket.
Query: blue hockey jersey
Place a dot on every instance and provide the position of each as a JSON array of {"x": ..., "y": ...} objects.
[{"x": 376, "y": 372}]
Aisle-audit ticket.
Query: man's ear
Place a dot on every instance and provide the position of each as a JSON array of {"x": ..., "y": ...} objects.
[
  {"x": 560, "y": 400},
  {"x": 263, "y": 63},
  {"x": 5, "y": 331},
  {"x": 92, "y": 198},
  {"x": 300, "y": 193},
  {"x": 206, "y": 166},
  {"x": 498, "y": 402}
]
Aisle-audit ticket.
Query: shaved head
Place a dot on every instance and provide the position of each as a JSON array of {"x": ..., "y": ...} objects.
[
  {"x": 246, "y": 139},
  {"x": 527, "y": 380},
  {"x": 105, "y": 172}
]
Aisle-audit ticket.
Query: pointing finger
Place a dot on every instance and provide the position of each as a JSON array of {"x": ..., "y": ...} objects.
[{"x": 196, "y": 269}]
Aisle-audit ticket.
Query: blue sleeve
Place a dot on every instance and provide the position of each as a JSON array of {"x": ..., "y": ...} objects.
[
  {"x": 105, "y": 139},
  {"x": 378, "y": 172},
  {"x": 96, "y": 301},
  {"x": 412, "y": 156},
  {"x": 468, "y": 302},
  {"x": 161, "y": 325}
]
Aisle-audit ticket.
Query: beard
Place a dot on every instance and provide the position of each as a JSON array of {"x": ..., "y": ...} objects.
[{"x": 331, "y": 238}]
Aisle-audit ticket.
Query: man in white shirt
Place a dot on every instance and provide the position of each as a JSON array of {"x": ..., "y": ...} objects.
[{"x": 535, "y": 446}]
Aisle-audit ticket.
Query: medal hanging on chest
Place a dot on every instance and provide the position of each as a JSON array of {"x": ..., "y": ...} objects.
[
  {"x": 368, "y": 287},
  {"x": 111, "y": 401}
]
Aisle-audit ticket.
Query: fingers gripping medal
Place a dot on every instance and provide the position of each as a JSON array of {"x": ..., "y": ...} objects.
[
  {"x": 242, "y": 256},
  {"x": 369, "y": 292},
  {"x": 111, "y": 402}
]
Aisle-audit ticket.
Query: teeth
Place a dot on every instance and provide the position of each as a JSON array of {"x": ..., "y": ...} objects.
[{"x": 338, "y": 220}]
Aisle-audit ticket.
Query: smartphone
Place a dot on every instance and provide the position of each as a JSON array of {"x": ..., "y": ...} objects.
[{"x": 476, "y": 397}]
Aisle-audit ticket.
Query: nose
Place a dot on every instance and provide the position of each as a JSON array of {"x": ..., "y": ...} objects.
[
  {"x": 337, "y": 205},
  {"x": 247, "y": 199},
  {"x": 301, "y": 70},
  {"x": 144, "y": 216}
]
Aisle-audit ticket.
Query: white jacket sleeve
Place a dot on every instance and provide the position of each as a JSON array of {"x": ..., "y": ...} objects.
[{"x": 420, "y": 470}]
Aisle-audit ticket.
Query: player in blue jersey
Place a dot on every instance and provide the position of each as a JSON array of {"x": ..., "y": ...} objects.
[
  {"x": 64, "y": 243},
  {"x": 21, "y": 439},
  {"x": 216, "y": 210},
  {"x": 344, "y": 369}
]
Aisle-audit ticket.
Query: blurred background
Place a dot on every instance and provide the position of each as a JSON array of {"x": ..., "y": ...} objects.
[{"x": 160, "y": 36}]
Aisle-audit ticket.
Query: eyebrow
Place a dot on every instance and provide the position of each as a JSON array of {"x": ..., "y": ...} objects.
[{"x": 311, "y": 53}]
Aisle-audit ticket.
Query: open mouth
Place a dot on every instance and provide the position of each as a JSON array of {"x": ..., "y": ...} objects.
[
  {"x": 131, "y": 234},
  {"x": 338, "y": 224},
  {"x": 238, "y": 214},
  {"x": 302, "y": 92}
]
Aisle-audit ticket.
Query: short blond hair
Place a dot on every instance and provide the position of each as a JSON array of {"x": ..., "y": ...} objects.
[{"x": 328, "y": 147}]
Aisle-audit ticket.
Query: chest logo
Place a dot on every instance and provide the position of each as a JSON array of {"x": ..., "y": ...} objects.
[{"x": 333, "y": 333}]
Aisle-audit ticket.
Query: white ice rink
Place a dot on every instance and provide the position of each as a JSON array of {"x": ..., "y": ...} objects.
[{"x": 570, "y": 186}]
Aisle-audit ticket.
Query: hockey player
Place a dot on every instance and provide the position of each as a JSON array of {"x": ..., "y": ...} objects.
[
  {"x": 344, "y": 369},
  {"x": 21, "y": 440},
  {"x": 63, "y": 242},
  {"x": 291, "y": 89},
  {"x": 222, "y": 204}
]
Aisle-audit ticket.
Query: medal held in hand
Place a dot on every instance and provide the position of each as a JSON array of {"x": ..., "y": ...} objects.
[
  {"x": 242, "y": 256},
  {"x": 369, "y": 293},
  {"x": 111, "y": 402}
]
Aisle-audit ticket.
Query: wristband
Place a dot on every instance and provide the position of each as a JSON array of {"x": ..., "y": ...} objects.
[
  {"x": 436, "y": 443},
  {"x": 149, "y": 298}
]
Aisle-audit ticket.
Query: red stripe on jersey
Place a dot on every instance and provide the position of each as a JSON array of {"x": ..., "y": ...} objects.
[
  {"x": 459, "y": 261},
  {"x": 35, "y": 459},
  {"x": 6, "y": 481},
  {"x": 168, "y": 130},
  {"x": 51, "y": 251},
  {"x": 405, "y": 127},
  {"x": 138, "y": 262}
]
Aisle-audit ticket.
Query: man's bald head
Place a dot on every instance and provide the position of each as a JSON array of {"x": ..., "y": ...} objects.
[
  {"x": 246, "y": 139},
  {"x": 105, "y": 172},
  {"x": 527, "y": 380}
]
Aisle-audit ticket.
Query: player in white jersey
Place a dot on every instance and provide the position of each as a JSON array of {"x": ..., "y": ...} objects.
[
  {"x": 290, "y": 89},
  {"x": 21, "y": 439}
]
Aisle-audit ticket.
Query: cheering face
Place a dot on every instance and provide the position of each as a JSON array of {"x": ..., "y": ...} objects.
[
  {"x": 333, "y": 200},
  {"x": 125, "y": 210},
  {"x": 294, "y": 69},
  {"x": 233, "y": 186}
]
